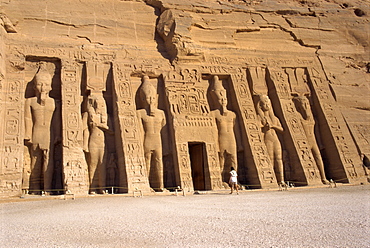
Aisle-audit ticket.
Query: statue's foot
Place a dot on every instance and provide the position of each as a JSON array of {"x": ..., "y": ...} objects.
[
  {"x": 325, "y": 181},
  {"x": 161, "y": 190},
  {"x": 282, "y": 184}
]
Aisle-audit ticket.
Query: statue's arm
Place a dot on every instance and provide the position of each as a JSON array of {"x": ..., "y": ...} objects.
[
  {"x": 57, "y": 122},
  {"x": 103, "y": 123},
  {"x": 277, "y": 125},
  {"x": 317, "y": 135},
  {"x": 238, "y": 136},
  {"x": 27, "y": 120},
  {"x": 163, "y": 119},
  {"x": 140, "y": 125},
  {"x": 85, "y": 131}
]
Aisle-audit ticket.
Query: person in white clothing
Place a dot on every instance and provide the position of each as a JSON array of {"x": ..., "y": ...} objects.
[{"x": 233, "y": 181}]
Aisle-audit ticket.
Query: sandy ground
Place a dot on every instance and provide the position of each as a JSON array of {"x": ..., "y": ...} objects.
[{"x": 301, "y": 217}]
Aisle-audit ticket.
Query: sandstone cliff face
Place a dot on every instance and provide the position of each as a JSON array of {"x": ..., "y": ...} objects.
[{"x": 280, "y": 48}]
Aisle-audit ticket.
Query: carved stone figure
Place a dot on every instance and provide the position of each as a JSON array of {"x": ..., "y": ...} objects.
[
  {"x": 152, "y": 120},
  {"x": 42, "y": 124},
  {"x": 112, "y": 170},
  {"x": 225, "y": 120},
  {"x": 95, "y": 120},
  {"x": 270, "y": 124},
  {"x": 308, "y": 123}
]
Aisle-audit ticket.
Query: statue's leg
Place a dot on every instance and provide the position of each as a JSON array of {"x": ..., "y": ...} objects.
[
  {"x": 234, "y": 161},
  {"x": 230, "y": 161},
  {"x": 148, "y": 156},
  {"x": 36, "y": 170},
  {"x": 26, "y": 172},
  {"x": 280, "y": 170},
  {"x": 279, "y": 167},
  {"x": 158, "y": 169},
  {"x": 48, "y": 167},
  {"x": 102, "y": 172},
  {"x": 320, "y": 165},
  {"x": 223, "y": 167},
  {"x": 94, "y": 160}
]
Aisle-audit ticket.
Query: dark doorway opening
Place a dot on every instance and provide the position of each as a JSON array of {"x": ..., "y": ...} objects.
[{"x": 198, "y": 161}]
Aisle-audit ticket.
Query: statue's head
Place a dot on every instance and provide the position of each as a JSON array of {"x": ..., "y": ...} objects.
[
  {"x": 219, "y": 92},
  {"x": 302, "y": 105},
  {"x": 97, "y": 102},
  {"x": 265, "y": 103},
  {"x": 148, "y": 93},
  {"x": 42, "y": 82}
]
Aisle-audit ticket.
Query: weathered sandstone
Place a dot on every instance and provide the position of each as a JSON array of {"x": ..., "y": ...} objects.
[{"x": 157, "y": 94}]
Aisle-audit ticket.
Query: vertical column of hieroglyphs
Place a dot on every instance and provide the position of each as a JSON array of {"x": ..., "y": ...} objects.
[
  {"x": 304, "y": 170},
  {"x": 11, "y": 156},
  {"x": 132, "y": 171},
  {"x": 177, "y": 99},
  {"x": 191, "y": 122},
  {"x": 260, "y": 170},
  {"x": 340, "y": 148},
  {"x": 2, "y": 99},
  {"x": 74, "y": 163}
]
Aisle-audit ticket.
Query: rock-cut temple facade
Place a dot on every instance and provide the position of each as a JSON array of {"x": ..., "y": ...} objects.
[{"x": 99, "y": 95}]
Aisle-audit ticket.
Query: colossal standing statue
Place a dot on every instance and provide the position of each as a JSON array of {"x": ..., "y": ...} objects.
[
  {"x": 96, "y": 124},
  {"x": 270, "y": 124},
  {"x": 225, "y": 120},
  {"x": 308, "y": 123},
  {"x": 152, "y": 120},
  {"x": 42, "y": 124}
]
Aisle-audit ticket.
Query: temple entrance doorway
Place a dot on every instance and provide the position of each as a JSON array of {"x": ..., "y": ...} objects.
[{"x": 198, "y": 164}]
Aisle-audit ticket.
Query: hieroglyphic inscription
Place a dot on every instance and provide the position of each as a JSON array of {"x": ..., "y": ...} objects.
[
  {"x": 214, "y": 166},
  {"x": 259, "y": 160},
  {"x": 288, "y": 82},
  {"x": 187, "y": 99},
  {"x": 75, "y": 176},
  {"x": 74, "y": 163},
  {"x": 184, "y": 166},
  {"x": 261, "y": 61},
  {"x": 192, "y": 121},
  {"x": 11, "y": 153},
  {"x": 346, "y": 150},
  {"x": 133, "y": 174}
]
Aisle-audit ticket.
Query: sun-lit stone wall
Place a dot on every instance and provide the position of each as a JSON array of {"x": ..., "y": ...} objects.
[{"x": 139, "y": 96}]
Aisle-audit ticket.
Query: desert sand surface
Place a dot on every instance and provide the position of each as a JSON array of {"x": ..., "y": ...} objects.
[{"x": 299, "y": 217}]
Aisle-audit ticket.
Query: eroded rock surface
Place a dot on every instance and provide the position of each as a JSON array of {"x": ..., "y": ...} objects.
[{"x": 288, "y": 49}]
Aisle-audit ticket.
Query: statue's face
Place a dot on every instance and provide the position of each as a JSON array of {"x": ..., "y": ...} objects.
[
  {"x": 305, "y": 103},
  {"x": 43, "y": 84},
  {"x": 98, "y": 103},
  {"x": 221, "y": 97},
  {"x": 305, "y": 106},
  {"x": 265, "y": 103},
  {"x": 150, "y": 98}
]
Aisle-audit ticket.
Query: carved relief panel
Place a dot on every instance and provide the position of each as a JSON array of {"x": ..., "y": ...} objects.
[
  {"x": 191, "y": 122},
  {"x": 42, "y": 125},
  {"x": 290, "y": 82},
  {"x": 11, "y": 153},
  {"x": 74, "y": 163},
  {"x": 260, "y": 171},
  {"x": 132, "y": 172},
  {"x": 344, "y": 162}
]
